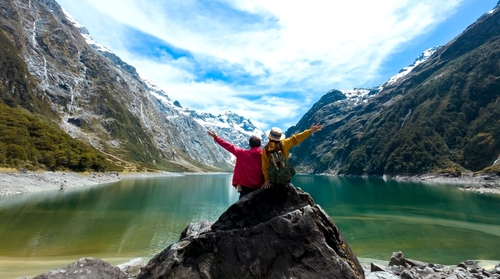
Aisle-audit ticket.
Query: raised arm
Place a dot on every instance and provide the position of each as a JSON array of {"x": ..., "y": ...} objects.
[{"x": 224, "y": 144}]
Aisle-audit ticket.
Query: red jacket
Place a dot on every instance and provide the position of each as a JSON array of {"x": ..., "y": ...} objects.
[{"x": 248, "y": 169}]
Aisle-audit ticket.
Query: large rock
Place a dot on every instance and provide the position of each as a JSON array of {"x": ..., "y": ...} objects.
[
  {"x": 85, "y": 268},
  {"x": 270, "y": 233}
]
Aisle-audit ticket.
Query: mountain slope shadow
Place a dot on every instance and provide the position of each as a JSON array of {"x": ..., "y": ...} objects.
[{"x": 270, "y": 233}]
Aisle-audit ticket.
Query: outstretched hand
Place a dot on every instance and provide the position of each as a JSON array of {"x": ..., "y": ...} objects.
[
  {"x": 266, "y": 184},
  {"x": 212, "y": 134},
  {"x": 316, "y": 127}
]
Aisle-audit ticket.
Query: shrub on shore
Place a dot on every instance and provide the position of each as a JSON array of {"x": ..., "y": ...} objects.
[{"x": 29, "y": 142}]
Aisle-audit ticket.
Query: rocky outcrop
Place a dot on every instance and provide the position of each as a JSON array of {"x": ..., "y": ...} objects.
[
  {"x": 400, "y": 267},
  {"x": 87, "y": 268},
  {"x": 270, "y": 233}
]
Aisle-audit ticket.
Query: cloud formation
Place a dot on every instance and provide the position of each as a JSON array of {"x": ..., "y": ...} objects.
[{"x": 268, "y": 61}]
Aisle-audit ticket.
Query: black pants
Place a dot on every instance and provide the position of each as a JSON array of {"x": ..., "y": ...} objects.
[{"x": 246, "y": 190}]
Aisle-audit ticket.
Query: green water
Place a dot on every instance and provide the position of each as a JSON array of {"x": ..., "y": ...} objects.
[{"x": 133, "y": 218}]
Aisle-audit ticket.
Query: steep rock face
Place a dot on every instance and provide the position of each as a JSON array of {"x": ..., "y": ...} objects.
[
  {"x": 96, "y": 97},
  {"x": 431, "y": 119},
  {"x": 333, "y": 111},
  {"x": 194, "y": 124},
  {"x": 270, "y": 233},
  {"x": 230, "y": 126},
  {"x": 17, "y": 86}
]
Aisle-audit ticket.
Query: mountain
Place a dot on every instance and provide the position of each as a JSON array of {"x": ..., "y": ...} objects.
[
  {"x": 54, "y": 69},
  {"x": 230, "y": 126},
  {"x": 439, "y": 115},
  {"x": 406, "y": 70}
]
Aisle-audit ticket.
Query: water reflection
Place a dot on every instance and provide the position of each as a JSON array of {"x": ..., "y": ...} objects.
[
  {"x": 431, "y": 222},
  {"x": 139, "y": 217},
  {"x": 133, "y": 216}
]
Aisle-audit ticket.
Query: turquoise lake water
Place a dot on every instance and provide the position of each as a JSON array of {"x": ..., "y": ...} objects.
[{"x": 133, "y": 218}]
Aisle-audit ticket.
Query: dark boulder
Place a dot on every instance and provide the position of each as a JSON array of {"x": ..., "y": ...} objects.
[
  {"x": 375, "y": 267},
  {"x": 270, "y": 233},
  {"x": 262, "y": 206},
  {"x": 85, "y": 268}
]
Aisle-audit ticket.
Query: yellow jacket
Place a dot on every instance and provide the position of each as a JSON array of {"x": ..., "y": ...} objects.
[{"x": 286, "y": 144}]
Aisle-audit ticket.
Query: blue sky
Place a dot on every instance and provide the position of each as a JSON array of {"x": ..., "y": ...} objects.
[{"x": 270, "y": 61}]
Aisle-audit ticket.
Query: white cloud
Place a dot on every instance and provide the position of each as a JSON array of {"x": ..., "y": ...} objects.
[
  {"x": 216, "y": 97},
  {"x": 306, "y": 47}
]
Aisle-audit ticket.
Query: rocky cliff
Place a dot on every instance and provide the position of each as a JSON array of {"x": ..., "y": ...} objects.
[
  {"x": 96, "y": 97},
  {"x": 270, "y": 233}
]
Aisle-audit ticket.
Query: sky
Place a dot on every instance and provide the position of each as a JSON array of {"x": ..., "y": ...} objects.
[{"x": 270, "y": 61}]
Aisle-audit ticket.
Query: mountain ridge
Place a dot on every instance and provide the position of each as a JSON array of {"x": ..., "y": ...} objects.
[
  {"x": 427, "y": 121},
  {"x": 99, "y": 99}
]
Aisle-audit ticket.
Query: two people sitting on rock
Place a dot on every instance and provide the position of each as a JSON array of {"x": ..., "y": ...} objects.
[{"x": 251, "y": 170}]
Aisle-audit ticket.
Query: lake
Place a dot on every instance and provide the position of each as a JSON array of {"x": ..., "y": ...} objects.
[{"x": 138, "y": 217}]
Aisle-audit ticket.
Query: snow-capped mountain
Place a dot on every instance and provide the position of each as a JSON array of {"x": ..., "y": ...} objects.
[
  {"x": 406, "y": 70},
  {"x": 333, "y": 108},
  {"x": 84, "y": 32},
  {"x": 101, "y": 100},
  {"x": 423, "y": 119},
  {"x": 358, "y": 96},
  {"x": 230, "y": 126},
  {"x": 102, "y": 49}
]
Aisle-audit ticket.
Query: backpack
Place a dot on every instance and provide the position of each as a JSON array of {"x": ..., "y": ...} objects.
[{"x": 280, "y": 170}]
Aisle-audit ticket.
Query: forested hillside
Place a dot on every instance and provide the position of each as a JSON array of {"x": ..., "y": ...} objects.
[
  {"x": 28, "y": 137},
  {"x": 52, "y": 70},
  {"x": 444, "y": 116}
]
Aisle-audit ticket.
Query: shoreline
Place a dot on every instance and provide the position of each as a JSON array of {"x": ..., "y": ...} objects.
[
  {"x": 34, "y": 266},
  {"x": 13, "y": 182},
  {"x": 482, "y": 184}
]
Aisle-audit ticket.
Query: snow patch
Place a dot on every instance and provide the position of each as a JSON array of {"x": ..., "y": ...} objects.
[
  {"x": 84, "y": 32},
  {"x": 406, "y": 70}
]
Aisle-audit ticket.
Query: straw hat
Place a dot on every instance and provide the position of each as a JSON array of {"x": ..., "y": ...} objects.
[{"x": 275, "y": 134}]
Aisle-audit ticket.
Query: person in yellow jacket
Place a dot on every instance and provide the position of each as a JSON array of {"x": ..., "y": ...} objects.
[{"x": 277, "y": 141}]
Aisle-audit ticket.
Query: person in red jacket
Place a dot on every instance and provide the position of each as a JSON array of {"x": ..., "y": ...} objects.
[{"x": 247, "y": 174}]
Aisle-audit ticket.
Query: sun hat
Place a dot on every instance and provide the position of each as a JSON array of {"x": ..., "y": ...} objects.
[{"x": 275, "y": 134}]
